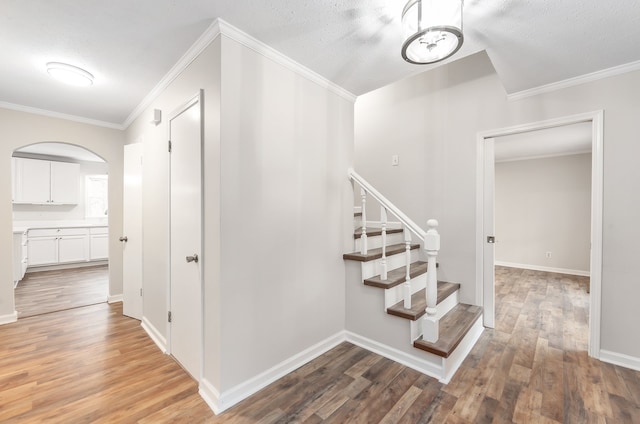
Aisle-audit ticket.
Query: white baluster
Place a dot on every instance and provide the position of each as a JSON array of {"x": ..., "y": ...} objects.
[
  {"x": 407, "y": 281},
  {"x": 383, "y": 263},
  {"x": 430, "y": 324},
  {"x": 363, "y": 237}
]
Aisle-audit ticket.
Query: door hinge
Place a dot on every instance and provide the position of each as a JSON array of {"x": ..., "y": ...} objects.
[
  {"x": 169, "y": 316},
  {"x": 169, "y": 146},
  {"x": 140, "y": 291}
]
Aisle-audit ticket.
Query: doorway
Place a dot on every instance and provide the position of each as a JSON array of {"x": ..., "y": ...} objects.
[
  {"x": 60, "y": 220},
  {"x": 485, "y": 249},
  {"x": 185, "y": 285}
]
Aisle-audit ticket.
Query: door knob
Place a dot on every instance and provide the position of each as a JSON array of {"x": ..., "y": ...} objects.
[
  {"x": 193, "y": 258},
  {"x": 491, "y": 239},
  {"x": 124, "y": 239}
]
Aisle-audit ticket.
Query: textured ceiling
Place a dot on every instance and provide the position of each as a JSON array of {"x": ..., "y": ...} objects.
[
  {"x": 564, "y": 140},
  {"x": 130, "y": 45}
]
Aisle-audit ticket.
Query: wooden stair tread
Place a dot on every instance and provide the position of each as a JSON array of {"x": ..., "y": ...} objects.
[
  {"x": 375, "y": 231},
  {"x": 397, "y": 276},
  {"x": 374, "y": 254},
  {"x": 453, "y": 327},
  {"x": 419, "y": 301}
]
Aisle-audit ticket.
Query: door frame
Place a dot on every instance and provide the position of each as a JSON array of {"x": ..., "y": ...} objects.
[
  {"x": 485, "y": 289},
  {"x": 197, "y": 98}
]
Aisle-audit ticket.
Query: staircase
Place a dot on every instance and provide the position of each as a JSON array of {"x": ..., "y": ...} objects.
[{"x": 422, "y": 323}]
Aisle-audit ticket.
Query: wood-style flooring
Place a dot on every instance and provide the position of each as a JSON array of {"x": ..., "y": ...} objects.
[
  {"x": 49, "y": 291},
  {"x": 92, "y": 365}
]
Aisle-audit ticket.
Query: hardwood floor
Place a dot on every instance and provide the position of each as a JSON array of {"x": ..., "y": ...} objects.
[
  {"x": 48, "y": 291},
  {"x": 90, "y": 365},
  {"x": 94, "y": 365}
]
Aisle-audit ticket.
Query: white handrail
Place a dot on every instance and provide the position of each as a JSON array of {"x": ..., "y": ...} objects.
[{"x": 404, "y": 219}]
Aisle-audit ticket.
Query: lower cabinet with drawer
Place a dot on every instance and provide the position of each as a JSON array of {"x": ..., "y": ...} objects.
[
  {"x": 51, "y": 246},
  {"x": 98, "y": 243}
]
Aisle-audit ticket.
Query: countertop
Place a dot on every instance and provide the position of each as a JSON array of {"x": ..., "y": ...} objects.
[{"x": 22, "y": 226}]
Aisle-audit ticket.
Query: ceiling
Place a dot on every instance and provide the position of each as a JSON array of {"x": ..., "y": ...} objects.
[
  {"x": 129, "y": 46},
  {"x": 558, "y": 141}
]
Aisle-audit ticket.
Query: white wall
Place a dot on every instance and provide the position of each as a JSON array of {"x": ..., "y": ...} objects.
[
  {"x": 202, "y": 73},
  {"x": 277, "y": 148},
  {"x": 432, "y": 120},
  {"x": 20, "y": 129},
  {"x": 62, "y": 212},
  {"x": 544, "y": 205},
  {"x": 286, "y": 146}
]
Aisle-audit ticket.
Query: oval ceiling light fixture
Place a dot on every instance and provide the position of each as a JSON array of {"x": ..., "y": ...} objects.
[
  {"x": 432, "y": 30},
  {"x": 69, "y": 74}
]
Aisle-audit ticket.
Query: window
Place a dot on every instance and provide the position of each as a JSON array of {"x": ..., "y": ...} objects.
[{"x": 96, "y": 189}]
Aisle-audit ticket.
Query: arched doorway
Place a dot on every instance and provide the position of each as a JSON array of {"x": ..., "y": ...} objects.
[{"x": 60, "y": 222}]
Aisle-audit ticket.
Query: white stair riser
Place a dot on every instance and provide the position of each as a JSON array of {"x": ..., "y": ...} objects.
[
  {"x": 373, "y": 242},
  {"x": 396, "y": 294},
  {"x": 372, "y": 268}
]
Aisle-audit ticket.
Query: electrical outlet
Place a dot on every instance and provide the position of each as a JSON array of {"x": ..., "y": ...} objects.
[
  {"x": 395, "y": 160},
  {"x": 547, "y": 255}
]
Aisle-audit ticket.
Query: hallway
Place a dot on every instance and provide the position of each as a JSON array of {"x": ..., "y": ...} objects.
[{"x": 94, "y": 365}]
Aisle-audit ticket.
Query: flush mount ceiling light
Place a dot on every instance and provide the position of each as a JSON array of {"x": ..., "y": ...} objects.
[
  {"x": 69, "y": 74},
  {"x": 432, "y": 30}
]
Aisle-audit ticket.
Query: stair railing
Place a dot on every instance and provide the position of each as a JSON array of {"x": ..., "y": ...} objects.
[{"x": 430, "y": 241}]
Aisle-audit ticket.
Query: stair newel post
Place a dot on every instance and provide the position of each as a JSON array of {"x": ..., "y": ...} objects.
[
  {"x": 383, "y": 262},
  {"x": 363, "y": 237},
  {"x": 430, "y": 326},
  {"x": 407, "y": 281}
]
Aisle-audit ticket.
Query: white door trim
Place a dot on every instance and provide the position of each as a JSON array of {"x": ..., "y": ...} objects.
[
  {"x": 597, "y": 129},
  {"x": 197, "y": 98}
]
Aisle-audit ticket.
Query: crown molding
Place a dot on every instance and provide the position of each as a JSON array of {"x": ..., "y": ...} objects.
[
  {"x": 271, "y": 53},
  {"x": 217, "y": 28},
  {"x": 207, "y": 37},
  {"x": 58, "y": 115},
  {"x": 571, "y": 82}
]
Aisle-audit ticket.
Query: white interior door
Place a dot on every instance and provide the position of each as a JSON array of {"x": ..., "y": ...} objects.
[
  {"x": 488, "y": 234},
  {"x": 186, "y": 236},
  {"x": 132, "y": 232}
]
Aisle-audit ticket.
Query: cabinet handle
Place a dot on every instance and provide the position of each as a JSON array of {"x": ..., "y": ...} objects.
[
  {"x": 123, "y": 239},
  {"x": 193, "y": 258}
]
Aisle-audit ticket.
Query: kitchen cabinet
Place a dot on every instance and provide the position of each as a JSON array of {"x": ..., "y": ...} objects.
[
  {"x": 45, "y": 182},
  {"x": 51, "y": 246},
  {"x": 98, "y": 243}
]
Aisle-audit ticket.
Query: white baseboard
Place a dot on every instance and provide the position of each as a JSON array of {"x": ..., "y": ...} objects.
[
  {"x": 544, "y": 268},
  {"x": 155, "y": 335},
  {"x": 39, "y": 268},
  {"x": 620, "y": 359},
  {"x": 220, "y": 402},
  {"x": 114, "y": 298},
  {"x": 9, "y": 318},
  {"x": 411, "y": 361},
  {"x": 210, "y": 394}
]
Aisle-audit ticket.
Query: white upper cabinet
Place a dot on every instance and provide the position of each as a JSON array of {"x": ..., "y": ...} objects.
[
  {"x": 33, "y": 181},
  {"x": 45, "y": 182},
  {"x": 64, "y": 182}
]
